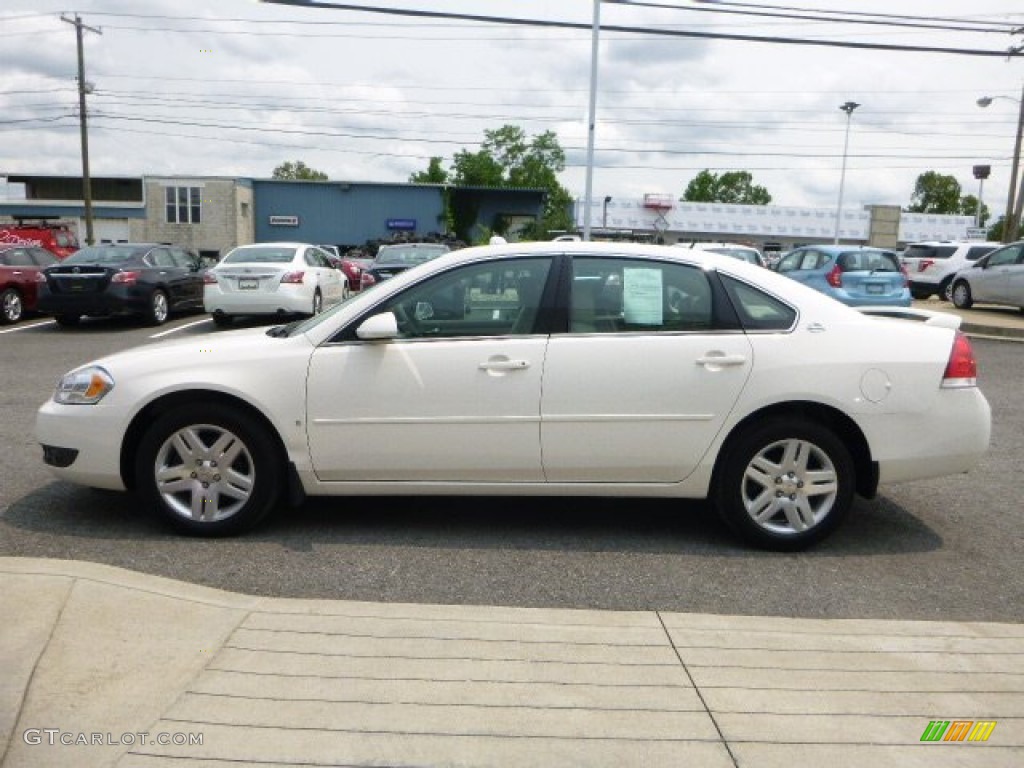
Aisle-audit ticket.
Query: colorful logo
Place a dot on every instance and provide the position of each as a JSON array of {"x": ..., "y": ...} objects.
[{"x": 958, "y": 730}]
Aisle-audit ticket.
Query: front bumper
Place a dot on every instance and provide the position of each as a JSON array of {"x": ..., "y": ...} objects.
[{"x": 90, "y": 435}]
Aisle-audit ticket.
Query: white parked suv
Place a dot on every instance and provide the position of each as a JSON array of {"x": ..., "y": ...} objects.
[{"x": 931, "y": 265}]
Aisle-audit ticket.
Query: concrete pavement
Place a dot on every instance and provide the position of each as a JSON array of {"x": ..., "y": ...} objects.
[{"x": 137, "y": 671}]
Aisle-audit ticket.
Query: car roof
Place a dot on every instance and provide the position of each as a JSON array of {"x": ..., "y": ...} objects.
[{"x": 832, "y": 248}]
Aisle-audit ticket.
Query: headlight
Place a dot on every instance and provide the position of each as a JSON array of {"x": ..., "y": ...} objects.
[{"x": 85, "y": 386}]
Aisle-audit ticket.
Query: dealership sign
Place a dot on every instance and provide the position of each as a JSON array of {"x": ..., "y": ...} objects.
[
  {"x": 402, "y": 224},
  {"x": 284, "y": 221}
]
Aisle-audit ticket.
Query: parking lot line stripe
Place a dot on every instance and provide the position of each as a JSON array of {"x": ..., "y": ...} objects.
[
  {"x": 179, "y": 328},
  {"x": 27, "y": 327}
]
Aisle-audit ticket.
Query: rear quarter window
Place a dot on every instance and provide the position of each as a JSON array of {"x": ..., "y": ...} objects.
[{"x": 758, "y": 310}]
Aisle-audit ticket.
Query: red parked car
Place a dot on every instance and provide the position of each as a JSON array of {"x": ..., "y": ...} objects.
[
  {"x": 19, "y": 266},
  {"x": 353, "y": 264}
]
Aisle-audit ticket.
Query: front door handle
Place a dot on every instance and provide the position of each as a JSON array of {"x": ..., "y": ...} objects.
[{"x": 505, "y": 365}]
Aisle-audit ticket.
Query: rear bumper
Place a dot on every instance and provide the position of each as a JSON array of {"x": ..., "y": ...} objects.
[
  {"x": 948, "y": 439},
  {"x": 113, "y": 301},
  {"x": 287, "y": 299}
]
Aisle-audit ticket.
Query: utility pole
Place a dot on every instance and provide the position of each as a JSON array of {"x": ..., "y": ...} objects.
[{"x": 83, "y": 89}]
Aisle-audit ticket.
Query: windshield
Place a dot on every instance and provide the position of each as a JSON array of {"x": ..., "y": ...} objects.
[
  {"x": 407, "y": 255},
  {"x": 105, "y": 254},
  {"x": 268, "y": 254},
  {"x": 869, "y": 261}
]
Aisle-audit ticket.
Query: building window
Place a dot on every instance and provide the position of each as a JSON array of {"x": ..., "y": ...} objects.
[{"x": 183, "y": 205}]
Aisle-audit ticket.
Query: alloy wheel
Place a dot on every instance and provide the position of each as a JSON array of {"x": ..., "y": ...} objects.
[
  {"x": 204, "y": 473},
  {"x": 789, "y": 487}
]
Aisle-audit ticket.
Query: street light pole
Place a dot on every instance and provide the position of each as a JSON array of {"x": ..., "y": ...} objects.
[
  {"x": 848, "y": 108},
  {"x": 591, "y": 118},
  {"x": 1014, "y": 198}
]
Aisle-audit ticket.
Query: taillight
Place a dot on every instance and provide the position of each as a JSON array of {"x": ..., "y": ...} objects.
[
  {"x": 366, "y": 280},
  {"x": 923, "y": 264},
  {"x": 835, "y": 277},
  {"x": 293, "y": 277},
  {"x": 209, "y": 278},
  {"x": 128, "y": 277},
  {"x": 962, "y": 368}
]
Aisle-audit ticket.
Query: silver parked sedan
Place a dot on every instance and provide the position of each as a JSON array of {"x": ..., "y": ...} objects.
[{"x": 997, "y": 278}]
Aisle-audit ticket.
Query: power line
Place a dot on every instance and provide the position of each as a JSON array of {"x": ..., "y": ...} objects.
[
  {"x": 846, "y": 18},
  {"x": 661, "y": 32}
]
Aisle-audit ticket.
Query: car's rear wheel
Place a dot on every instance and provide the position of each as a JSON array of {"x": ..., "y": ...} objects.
[
  {"x": 208, "y": 470},
  {"x": 962, "y": 295},
  {"x": 68, "y": 320},
  {"x": 946, "y": 290},
  {"x": 920, "y": 293},
  {"x": 158, "y": 309},
  {"x": 785, "y": 484},
  {"x": 11, "y": 306}
]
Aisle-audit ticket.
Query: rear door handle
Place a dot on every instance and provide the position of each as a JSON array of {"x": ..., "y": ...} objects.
[{"x": 713, "y": 360}]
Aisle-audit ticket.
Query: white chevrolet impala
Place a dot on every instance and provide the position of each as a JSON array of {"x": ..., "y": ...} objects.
[{"x": 559, "y": 368}]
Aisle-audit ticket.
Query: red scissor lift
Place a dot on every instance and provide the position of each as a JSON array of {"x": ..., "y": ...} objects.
[{"x": 661, "y": 204}]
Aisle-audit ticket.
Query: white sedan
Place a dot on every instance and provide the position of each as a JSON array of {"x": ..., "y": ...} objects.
[
  {"x": 272, "y": 279},
  {"x": 560, "y": 369}
]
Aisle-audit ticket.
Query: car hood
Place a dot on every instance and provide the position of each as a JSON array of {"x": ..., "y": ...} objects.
[{"x": 197, "y": 359}]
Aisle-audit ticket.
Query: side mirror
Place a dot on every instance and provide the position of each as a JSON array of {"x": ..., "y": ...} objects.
[{"x": 382, "y": 326}]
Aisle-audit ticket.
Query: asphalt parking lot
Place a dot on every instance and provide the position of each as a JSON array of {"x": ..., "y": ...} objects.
[{"x": 945, "y": 549}]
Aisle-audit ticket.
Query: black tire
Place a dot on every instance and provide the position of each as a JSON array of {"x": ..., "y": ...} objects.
[
  {"x": 962, "y": 295},
  {"x": 159, "y": 308},
  {"x": 946, "y": 290},
  {"x": 222, "y": 321},
  {"x": 195, "y": 493},
  {"x": 920, "y": 293},
  {"x": 772, "y": 469},
  {"x": 12, "y": 308},
  {"x": 68, "y": 321}
]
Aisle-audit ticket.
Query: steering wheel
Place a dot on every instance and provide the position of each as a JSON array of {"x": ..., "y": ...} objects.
[{"x": 406, "y": 323}]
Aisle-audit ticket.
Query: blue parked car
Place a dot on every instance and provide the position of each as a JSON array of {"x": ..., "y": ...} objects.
[{"x": 855, "y": 275}]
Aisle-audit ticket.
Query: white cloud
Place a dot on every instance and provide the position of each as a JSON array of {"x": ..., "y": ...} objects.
[{"x": 372, "y": 97}]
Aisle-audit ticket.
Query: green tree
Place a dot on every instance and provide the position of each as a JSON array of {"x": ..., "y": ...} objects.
[
  {"x": 509, "y": 158},
  {"x": 969, "y": 207},
  {"x": 935, "y": 193},
  {"x": 435, "y": 174},
  {"x": 298, "y": 170},
  {"x": 730, "y": 187}
]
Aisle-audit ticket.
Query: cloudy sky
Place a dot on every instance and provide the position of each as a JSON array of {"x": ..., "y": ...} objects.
[{"x": 236, "y": 87}]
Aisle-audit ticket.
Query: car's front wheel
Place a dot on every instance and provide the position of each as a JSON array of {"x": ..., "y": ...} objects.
[
  {"x": 962, "y": 295},
  {"x": 208, "y": 470},
  {"x": 11, "y": 306},
  {"x": 785, "y": 484}
]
